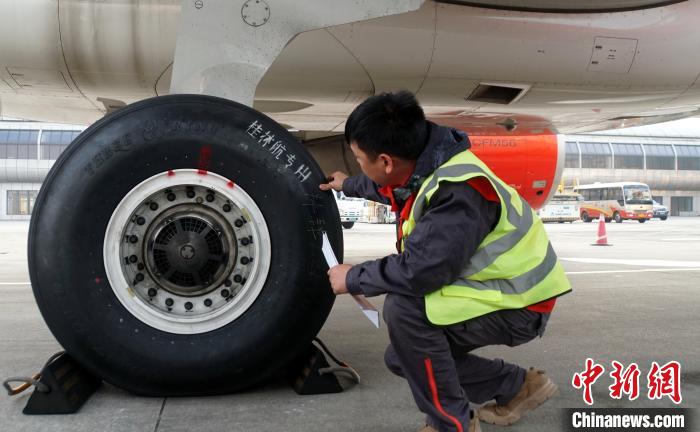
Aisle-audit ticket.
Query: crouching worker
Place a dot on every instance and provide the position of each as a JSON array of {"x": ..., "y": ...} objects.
[{"x": 474, "y": 266}]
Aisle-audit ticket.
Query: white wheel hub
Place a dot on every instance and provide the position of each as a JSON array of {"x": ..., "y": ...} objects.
[{"x": 187, "y": 252}]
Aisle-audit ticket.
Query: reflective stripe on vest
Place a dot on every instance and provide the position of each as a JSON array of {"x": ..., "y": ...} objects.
[
  {"x": 514, "y": 266},
  {"x": 519, "y": 218}
]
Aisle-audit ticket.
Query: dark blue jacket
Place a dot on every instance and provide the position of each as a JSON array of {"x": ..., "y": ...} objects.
[{"x": 447, "y": 235}]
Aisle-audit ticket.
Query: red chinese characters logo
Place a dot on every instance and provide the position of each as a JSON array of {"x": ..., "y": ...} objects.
[
  {"x": 665, "y": 381},
  {"x": 587, "y": 378},
  {"x": 661, "y": 380},
  {"x": 626, "y": 381}
]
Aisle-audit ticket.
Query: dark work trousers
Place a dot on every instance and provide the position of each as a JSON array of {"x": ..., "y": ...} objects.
[{"x": 436, "y": 361}]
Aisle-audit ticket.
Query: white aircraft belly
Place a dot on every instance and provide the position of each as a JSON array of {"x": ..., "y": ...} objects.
[{"x": 122, "y": 50}]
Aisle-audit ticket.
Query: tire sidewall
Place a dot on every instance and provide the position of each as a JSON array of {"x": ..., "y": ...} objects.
[{"x": 89, "y": 180}]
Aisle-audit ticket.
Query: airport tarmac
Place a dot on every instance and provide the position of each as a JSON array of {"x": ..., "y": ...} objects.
[{"x": 635, "y": 301}]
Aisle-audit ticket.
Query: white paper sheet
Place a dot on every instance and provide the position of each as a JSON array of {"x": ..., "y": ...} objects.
[{"x": 367, "y": 308}]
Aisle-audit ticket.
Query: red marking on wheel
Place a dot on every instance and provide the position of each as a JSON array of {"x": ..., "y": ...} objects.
[
  {"x": 204, "y": 159},
  {"x": 202, "y": 172},
  {"x": 230, "y": 184},
  {"x": 171, "y": 173},
  {"x": 97, "y": 280}
]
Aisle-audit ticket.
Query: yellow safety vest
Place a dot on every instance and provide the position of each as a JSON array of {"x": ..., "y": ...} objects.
[{"x": 513, "y": 267}]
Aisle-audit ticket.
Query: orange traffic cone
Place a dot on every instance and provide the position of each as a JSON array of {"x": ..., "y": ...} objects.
[{"x": 602, "y": 234}]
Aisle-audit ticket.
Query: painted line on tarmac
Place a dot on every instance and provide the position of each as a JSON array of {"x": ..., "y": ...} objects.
[
  {"x": 680, "y": 239},
  {"x": 632, "y": 271},
  {"x": 631, "y": 262},
  {"x": 15, "y": 283}
]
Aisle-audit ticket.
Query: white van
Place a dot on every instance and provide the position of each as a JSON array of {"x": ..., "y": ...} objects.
[{"x": 561, "y": 208}]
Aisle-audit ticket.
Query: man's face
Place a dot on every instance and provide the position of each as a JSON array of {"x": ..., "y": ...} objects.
[
  {"x": 374, "y": 169},
  {"x": 384, "y": 169}
]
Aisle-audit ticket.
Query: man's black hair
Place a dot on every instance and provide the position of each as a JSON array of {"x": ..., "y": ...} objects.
[{"x": 391, "y": 123}]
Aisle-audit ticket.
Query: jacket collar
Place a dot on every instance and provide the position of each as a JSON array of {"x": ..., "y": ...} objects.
[{"x": 441, "y": 145}]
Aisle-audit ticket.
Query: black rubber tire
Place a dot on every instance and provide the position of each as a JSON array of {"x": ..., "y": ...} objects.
[
  {"x": 617, "y": 218},
  {"x": 347, "y": 225},
  {"x": 584, "y": 217},
  {"x": 642, "y": 220},
  {"x": 77, "y": 200},
  {"x": 608, "y": 220},
  {"x": 663, "y": 217}
]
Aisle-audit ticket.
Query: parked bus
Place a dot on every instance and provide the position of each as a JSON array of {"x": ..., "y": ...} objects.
[
  {"x": 615, "y": 201},
  {"x": 563, "y": 207}
]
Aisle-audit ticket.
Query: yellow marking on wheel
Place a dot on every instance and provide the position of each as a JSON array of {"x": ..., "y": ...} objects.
[{"x": 247, "y": 215}]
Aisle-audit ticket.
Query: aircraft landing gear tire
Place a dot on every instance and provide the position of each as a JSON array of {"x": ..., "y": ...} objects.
[
  {"x": 617, "y": 218},
  {"x": 642, "y": 220},
  {"x": 347, "y": 225},
  {"x": 175, "y": 247},
  {"x": 585, "y": 217},
  {"x": 663, "y": 217}
]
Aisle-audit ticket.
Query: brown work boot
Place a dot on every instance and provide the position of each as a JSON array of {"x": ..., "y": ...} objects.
[
  {"x": 536, "y": 389},
  {"x": 473, "y": 424}
]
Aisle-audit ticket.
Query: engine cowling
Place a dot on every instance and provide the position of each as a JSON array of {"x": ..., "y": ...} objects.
[{"x": 530, "y": 162}]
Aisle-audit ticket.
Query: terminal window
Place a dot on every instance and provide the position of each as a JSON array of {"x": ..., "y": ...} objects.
[
  {"x": 681, "y": 204},
  {"x": 20, "y": 202},
  {"x": 595, "y": 155},
  {"x": 688, "y": 157},
  {"x": 572, "y": 160},
  {"x": 53, "y": 142},
  {"x": 660, "y": 157},
  {"x": 18, "y": 144},
  {"x": 628, "y": 156}
]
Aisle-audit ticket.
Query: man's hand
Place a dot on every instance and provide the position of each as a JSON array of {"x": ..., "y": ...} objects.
[
  {"x": 335, "y": 181},
  {"x": 337, "y": 277}
]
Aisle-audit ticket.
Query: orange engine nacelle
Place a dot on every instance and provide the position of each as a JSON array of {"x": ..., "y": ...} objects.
[
  {"x": 531, "y": 163},
  {"x": 530, "y": 160}
]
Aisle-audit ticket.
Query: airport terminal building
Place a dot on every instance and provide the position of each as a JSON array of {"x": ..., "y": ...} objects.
[
  {"x": 666, "y": 157},
  {"x": 27, "y": 152}
]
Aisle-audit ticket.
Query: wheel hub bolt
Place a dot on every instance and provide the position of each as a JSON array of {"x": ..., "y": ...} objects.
[
  {"x": 139, "y": 277},
  {"x": 140, "y": 220},
  {"x": 169, "y": 302},
  {"x": 245, "y": 241},
  {"x": 207, "y": 302},
  {"x": 210, "y": 197},
  {"x": 238, "y": 223},
  {"x": 188, "y": 306},
  {"x": 245, "y": 260},
  {"x": 190, "y": 193},
  {"x": 153, "y": 206},
  {"x": 140, "y": 266},
  {"x": 227, "y": 208},
  {"x": 238, "y": 278},
  {"x": 133, "y": 239},
  {"x": 227, "y": 283},
  {"x": 133, "y": 259},
  {"x": 171, "y": 196},
  {"x": 225, "y": 293},
  {"x": 152, "y": 292}
]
